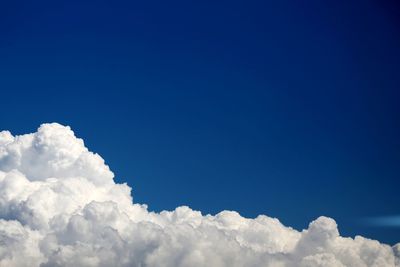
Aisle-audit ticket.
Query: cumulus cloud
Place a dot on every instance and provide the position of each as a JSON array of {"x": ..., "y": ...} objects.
[{"x": 59, "y": 206}]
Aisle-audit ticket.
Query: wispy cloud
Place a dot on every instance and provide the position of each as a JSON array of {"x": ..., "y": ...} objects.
[{"x": 384, "y": 221}]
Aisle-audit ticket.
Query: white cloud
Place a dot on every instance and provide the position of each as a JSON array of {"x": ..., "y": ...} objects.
[{"x": 59, "y": 206}]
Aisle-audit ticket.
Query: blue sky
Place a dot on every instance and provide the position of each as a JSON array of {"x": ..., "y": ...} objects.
[{"x": 284, "y": 109}]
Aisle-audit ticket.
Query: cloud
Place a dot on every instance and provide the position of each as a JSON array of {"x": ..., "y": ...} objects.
[
  {"x": 59, "y": 206},
  {"x": 383, "y": 221}
]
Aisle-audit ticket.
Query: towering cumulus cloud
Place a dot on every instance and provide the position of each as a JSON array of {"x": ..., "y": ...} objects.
[{"x": 59, "y": 206}]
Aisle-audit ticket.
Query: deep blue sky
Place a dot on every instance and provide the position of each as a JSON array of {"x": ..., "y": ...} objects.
[{"x": 284, "y": 108}]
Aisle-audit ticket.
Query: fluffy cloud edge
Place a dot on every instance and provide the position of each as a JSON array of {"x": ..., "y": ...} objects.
[{"x": 60, "y": 206}]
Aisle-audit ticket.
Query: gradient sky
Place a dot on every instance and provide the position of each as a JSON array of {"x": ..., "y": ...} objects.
[{"x": 283, "y": 108}]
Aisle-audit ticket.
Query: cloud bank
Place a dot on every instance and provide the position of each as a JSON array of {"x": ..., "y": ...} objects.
[{"x": 59, "y": 206}]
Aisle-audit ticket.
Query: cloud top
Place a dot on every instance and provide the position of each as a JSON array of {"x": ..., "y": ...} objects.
[{"x": 59, "y": 206}]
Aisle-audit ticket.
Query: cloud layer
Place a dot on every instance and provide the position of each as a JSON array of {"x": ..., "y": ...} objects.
[{"x": 59, "y": 206}]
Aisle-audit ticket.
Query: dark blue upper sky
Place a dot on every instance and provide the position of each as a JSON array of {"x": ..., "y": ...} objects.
[{"x": 284, "y": 108}]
